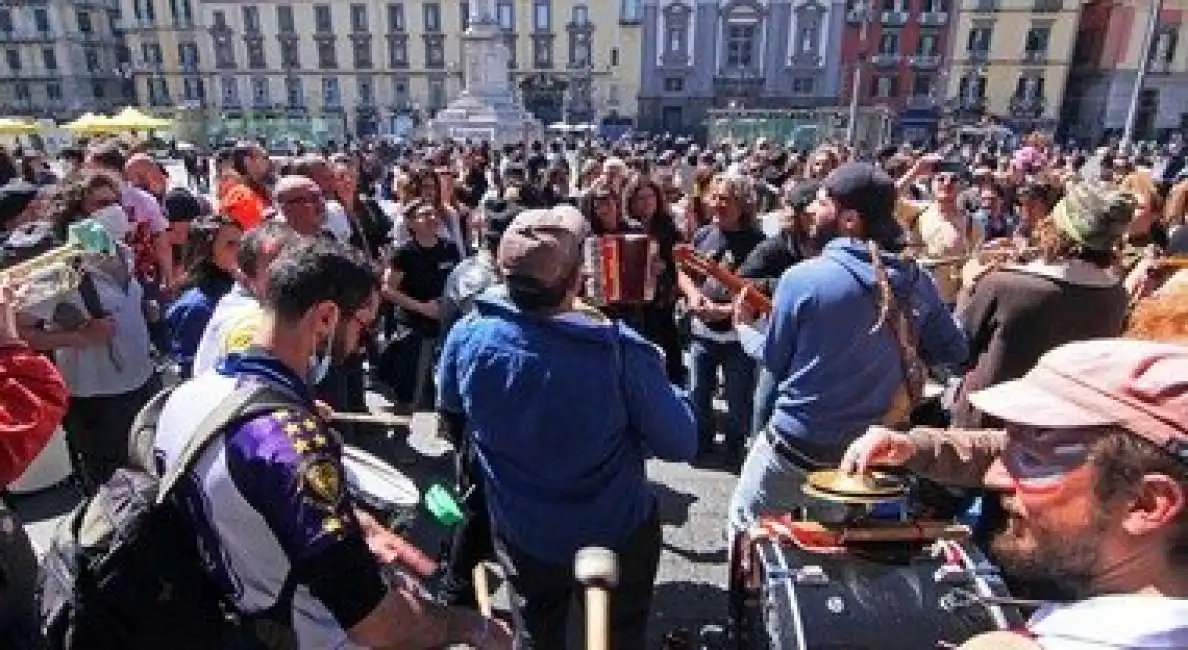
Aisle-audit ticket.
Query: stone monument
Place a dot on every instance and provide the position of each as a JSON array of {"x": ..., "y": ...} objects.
[{"x": 489, "y": 108}]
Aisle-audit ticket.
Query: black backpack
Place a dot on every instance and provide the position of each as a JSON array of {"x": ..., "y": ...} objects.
[{"x": 123, "y": 569}]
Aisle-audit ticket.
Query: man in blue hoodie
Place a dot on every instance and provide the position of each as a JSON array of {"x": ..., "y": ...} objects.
[
  {"x": 562, "y": 406},
  {"x": 837, "y": 371}
]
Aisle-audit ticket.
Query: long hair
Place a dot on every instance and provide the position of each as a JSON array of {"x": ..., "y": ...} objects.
[
  {"x": 198, "y": 255},
  {"x": 742, "y": 191},
  {"x": 66, "y": 207}
]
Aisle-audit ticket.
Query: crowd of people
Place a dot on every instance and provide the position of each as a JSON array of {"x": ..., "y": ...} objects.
[{"x": 1042, "y": 292}]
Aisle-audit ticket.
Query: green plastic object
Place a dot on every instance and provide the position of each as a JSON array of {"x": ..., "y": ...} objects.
[{"x": 443, "y": 506}]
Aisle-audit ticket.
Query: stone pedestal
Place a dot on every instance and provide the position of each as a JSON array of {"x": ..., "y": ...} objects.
[{"x": 488, "y": 108}]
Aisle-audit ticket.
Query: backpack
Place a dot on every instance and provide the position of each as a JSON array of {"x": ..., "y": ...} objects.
[{"x": 123, "y": 569}]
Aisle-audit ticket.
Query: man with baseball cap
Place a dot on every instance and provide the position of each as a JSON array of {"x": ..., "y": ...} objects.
[
  {"x": 1092, "y": 471},
  {"x": 833, "y": 344},
  {"x": 560, "y": 406}
]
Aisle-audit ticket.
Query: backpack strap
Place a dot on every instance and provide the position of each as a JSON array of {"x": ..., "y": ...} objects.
[{"x": 244, "y": 401}]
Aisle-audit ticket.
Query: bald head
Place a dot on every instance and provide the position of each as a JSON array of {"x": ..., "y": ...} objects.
[
  {"x": 287, "y": 186},
  {"x": 302, "y": 204},
  {"x": 144, "y": 172}
]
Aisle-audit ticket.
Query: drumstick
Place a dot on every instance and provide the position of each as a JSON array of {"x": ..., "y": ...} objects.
[
  {"x": 598, "y": 571},
  {"x": 382, "y": 419},
  {"x": 482, "y": 589}
]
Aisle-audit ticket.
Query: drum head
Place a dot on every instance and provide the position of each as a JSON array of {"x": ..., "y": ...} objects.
[{"x": 377, "y": 483}]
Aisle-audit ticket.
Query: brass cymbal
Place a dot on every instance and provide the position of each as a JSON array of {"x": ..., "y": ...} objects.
[{"x": 834, "y": 485}]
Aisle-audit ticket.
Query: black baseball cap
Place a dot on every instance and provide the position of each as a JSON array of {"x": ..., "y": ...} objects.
[
  {"x": 801, "y": 195},
  {"x": 864, "y": 188}
]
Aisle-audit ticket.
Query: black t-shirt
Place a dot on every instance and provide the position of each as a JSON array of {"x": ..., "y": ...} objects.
[
  {"x": 729, "y": 249},
  {"x": 424, "y": 272}
]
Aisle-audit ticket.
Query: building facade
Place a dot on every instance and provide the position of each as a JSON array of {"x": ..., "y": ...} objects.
[
  {"x": 325, "y": 71},
  {"x": 1010, "y": 60},
  {"x": 1111, "y": 41},
  {"x": 701, "y": 55},
  {"x": 898, "y": 48},
  {"x": 62, "y": 58}
]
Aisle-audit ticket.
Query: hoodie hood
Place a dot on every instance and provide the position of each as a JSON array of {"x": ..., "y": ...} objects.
[{"x": 854, "y": 255}]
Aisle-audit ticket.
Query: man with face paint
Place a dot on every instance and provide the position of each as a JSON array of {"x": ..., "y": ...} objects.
[
  {"x": 267, "y": 501},
  {"x": 1092, "y": 471}
]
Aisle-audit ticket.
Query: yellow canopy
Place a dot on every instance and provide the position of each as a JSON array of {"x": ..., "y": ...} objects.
[
  {"x": 12, "y": 126},
  {"x": 132, "y": 119},
  {"x": 90, "y": 123}
]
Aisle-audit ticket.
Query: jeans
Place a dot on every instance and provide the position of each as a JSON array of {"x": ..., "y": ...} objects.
[
  {"x": 766, "y": 391},
  {"x": 541, "y": 592},
  {"x": 738, "y": 370}
]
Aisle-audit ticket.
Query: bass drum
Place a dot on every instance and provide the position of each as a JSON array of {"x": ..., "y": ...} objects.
[{"x": 874, "y": 596}]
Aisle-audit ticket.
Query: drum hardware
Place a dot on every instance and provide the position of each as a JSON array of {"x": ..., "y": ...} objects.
[
  {"x": 387, "y": 420},
  {"x": 598, "y": 571},
  {"x": 380, "y": 488}
]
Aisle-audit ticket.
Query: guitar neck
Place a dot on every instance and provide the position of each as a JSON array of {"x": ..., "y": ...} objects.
[{"x": 735, "y": 284}]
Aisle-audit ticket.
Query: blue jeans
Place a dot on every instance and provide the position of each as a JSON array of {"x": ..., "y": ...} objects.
[
  {"x": 770, "y": 484},
  {"x": 738, "y": 370},
  {"x": 765, "y": 398}
]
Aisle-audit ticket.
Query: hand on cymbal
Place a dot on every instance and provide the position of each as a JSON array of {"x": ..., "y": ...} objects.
[{"x": 878, "y": 446}]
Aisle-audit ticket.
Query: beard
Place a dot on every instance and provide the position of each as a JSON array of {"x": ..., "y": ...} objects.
[
  {"x": 821, "y": 233},
  {"x": 1047, "y": 563}
]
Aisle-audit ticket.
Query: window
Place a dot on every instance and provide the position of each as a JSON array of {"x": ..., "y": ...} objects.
[
  {"x": 284, "y": 19},
  {"x": 327, "y": 58},
  {"x": 631, "y": 11},
  {"x": 224, "y": 51},
  {"x": 579, "y": 50},
  {"x": 230, "y": 90},
  {"x": 5, "y": 20},
  {"x": 1029, "y": 88},
  {"x": 323, "y": 21},
  {"x": 397, "y": 53},
  {"x": 192, "y": 90},
  {"x": 259, "y": 91},
  {"x": 50, "y": 56},
  {"x": 366, "y": 91},
  {"x": 581, "y": 15},
  {"x": 889, "y": 43},
  {"x": 251, "y": 20},
  {"x": 973, "y": 87},
  {"x": 362, "y": 52},
  {"x": 434, "y": 54},
  {"x": 542, "y": 52},
  {"x": 437, "y": 93},
  {"x": 358, "y": 18},
  {"x": 395, "y": 17},
  {"x": 290, "y": 54},
  {"x": 979, "y": 39},
  {"x": 400, "y": 90},
  {"x": 1037, "y": 39},
  {"x": 806, "y": 39},
  {"x": 612, "y": 94},
  {"x": 464, "y": 15},
  {"x": 933, "y": 6},
  {"x": 330, "y": 94},
  {"x": 144, "y": 10},
  {"x": 53, "y": 91},
  {"x": 84, "y": 22},
  {"x": 220, "y": 19},
  {"x": 674, "y": 85},
  {"x": 150, "y": 53},
  {"x": 255, "y": 54},
  {"x": 740, "y": 45},
  {"x": 91, "y": 56},
  {"x": 614, "y": 57},
  {"x": 676, "y": 39},
  {"x": 187, "y": 55},
  {"x": 509, "y": 42},
  {"x": 432, "y": 17},
  {"x": 21, "y": 91},
  {"x": 13, "y": 58},
  {"x": 158, "y": 92},
  {"x": 540, "y": 16},
  {"x": 98, "y": 90},
  {"x": 803, "y": 85},
  {"x": 922, "y": 86},
  {"x": 41, "y": 23},
  {"x": 507, "y": 15},
  {"x": 884, "y": 87},
  {"x": 181, "y": 11},
  {"x": 1163, "y": 50},
  {"x": 295, "y": 91}
]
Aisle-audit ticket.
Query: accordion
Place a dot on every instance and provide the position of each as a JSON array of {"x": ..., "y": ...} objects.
[{"x": 620, "y": 269}]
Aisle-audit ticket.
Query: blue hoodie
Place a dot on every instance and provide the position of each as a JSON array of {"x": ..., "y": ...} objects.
[
  {"x": 835, "y": 376},
  {"x": 563, "y": 412}
]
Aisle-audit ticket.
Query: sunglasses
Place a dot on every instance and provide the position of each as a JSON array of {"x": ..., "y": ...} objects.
[{"x": 1038, "y": 460}]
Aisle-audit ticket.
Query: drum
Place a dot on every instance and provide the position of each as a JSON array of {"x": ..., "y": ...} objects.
[
  {"x": 620, "y": 268},
  {"x": 383, "y": 490},
  {"x": 49, "y": 469},
  {"x": 809, "y": 590}
]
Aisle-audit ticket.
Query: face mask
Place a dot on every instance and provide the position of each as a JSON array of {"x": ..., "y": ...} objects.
[
  {"x": 318, "y": 367},
  {"x": 114, "y": 219}
]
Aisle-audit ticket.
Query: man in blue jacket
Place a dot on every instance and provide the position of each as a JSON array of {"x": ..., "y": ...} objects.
[
  {"x": 562, "y": 406},
  {"x": 837, "y": 372}
]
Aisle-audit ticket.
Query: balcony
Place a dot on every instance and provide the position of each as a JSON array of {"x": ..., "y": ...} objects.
[
  {"x": 189, "y": 66},
  {"x": 978, "y": 56},
  {"x": 886, "y": 59},
  {"x": 1035, "y": 56},
  {"x": 1023, "y": 106},
  {"x": 184, "y": 23},
  {"x": 971, "y": 103},
  {"x": 26, "y": 36},
  {"x": 934, "y": 18},
  {"x": 924, "y": 60},
  {"x": 893, "y": 18},
  {"x": 984, "y": 6}
]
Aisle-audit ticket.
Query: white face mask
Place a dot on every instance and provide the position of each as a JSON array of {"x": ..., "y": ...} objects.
[
  {"x": 115, "y": 220},
  {"x": 318, "y": 367}
]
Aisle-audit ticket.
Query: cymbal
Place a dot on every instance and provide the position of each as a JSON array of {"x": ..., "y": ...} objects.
[{"x": 834, "y": 485}]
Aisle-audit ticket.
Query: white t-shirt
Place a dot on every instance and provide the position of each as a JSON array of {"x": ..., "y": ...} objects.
[
  {"x": 231, "y": 328},
  {"x": 337, "y": 221},
  {"x": 1132, "y": 621}
]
